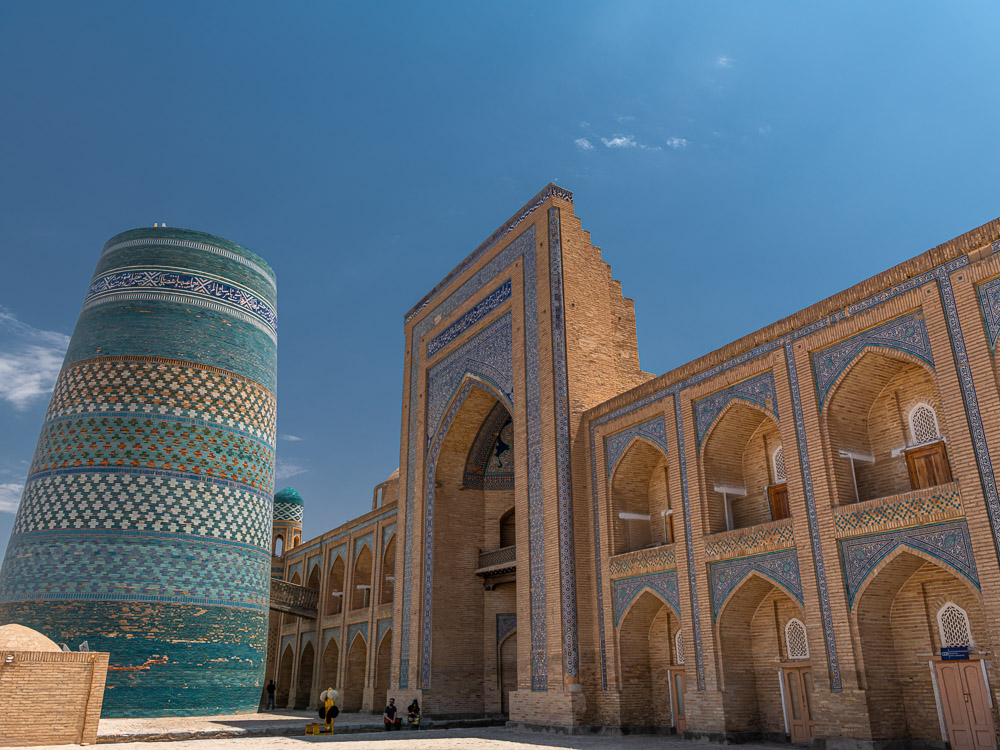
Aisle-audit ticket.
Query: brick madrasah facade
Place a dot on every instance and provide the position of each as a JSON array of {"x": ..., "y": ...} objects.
[{"x": 775, "y": 540}]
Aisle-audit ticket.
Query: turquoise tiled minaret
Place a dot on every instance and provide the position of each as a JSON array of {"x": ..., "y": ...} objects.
[{"x": 145, "y": 523}]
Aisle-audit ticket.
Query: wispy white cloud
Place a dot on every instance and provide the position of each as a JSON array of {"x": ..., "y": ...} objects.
[
  {"x": 723, "y": 62},
  {"x": 622, "y": 119},
  {"x": 286, "y": 469},
  {"x": 583, "y": 144},
  {"x": 290, "y": 438},
  {"x": 584, "y": 124},
  {"x": 764, "y": 129},
  {"x": 620, "y": 141},
  {"x": 10, "y": 496},
  {"x": 675, "y": 143},
  {"x": 30, "y": 359}
]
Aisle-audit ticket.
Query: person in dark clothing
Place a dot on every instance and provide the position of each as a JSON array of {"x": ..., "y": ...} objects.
[
  {"x": 389, "y": 715},
  {"x": 270, "y": 695},
  {"x": 413, "y": 715}
]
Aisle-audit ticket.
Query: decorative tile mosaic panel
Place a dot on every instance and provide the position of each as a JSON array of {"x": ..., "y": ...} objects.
[
  {"x": 912, "y": 509},
  {"x": 490, "y": 453},
  {"x": 654, "y": 429},
  {"x": 153, "y": 443},
  {"x": 331, "y": 634},
  {"x": 780, "y": 567},
  {"x": 486, "y": 355},
  {"x": 989, "y": 301},
  {"x": 387, "y": 531},
  {"x": 134, "y": 566},
  {"x": 949, "y": 542},
  {"x": 288, "y": 512},
  {"x": 488, "y": 304},
  {"x": 353, "y": 630},
  {"x": 751, "y": 541},
  {"x": 383, "y": 626},
  {"x": 564, "y": 473},
  {"x": 186, "y": 287},
  {"x": 367, "y": 540},
  {"x": 654, "y": 559},
  {"x": 144, "y": 503},
  {"x": 758, "y": 390},
  {"x": 625, "y": 590},
  {"x": 506, "y": 624},
  {"x": 907, "y": 333},
  {"x": 168, "y": 389}
]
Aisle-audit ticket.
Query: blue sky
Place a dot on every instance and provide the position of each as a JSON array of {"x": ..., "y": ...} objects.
[{"x": 735, "y": 161}]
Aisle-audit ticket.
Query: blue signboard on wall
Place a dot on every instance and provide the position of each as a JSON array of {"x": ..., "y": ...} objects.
[{"x": 955, "y": 653}]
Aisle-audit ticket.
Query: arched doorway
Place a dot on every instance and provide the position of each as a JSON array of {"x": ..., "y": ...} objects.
[
  {"x": 303, "y": 685},
  {"x": 361, "y": 596},
  {"x": 474, "y": 573},
  {"x": 642, "y": 511},
  {"x": 645, "y": 638},
  {"x": 284, "y": 686},
  {"x": 383, "y": 664},
  {"x": 911, "y": 607},
  {"x": 330, "y": 668},
  {"x": 354, "y": 680},
  {"x": 508, "y": 670},
  {"x": 335, "y": 588},
  {"x": 738, "y": 459},
  {"x": 767, "y": 683},
  {"x": 884, "y": 427},
  {"x": 387, "y": 585}
]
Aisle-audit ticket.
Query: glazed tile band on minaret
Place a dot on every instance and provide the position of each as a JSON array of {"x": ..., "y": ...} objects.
[{"x": 145, "y": 523}]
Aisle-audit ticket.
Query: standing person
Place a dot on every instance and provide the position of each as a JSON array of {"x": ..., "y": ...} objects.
[
  {"x": 270, "y": 696},
  {"x": 413, "y": 715},
  {"x": 389, "y": 715}
]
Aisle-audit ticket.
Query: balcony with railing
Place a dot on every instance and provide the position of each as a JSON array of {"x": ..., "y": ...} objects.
[
  {"x": 915, "y": 508},
  {"x": 294, "y": 599},
  {"x": 751, "y": 540}
]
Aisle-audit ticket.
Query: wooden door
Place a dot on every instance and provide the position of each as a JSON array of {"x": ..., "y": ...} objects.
[
  {"x": 777, "y": 496},
  {"x": 928, "y": 466},
  {"x": 798, "y": 703},
  {"x": 677, "y": 686},
  {"x": 966, "y": 705}
]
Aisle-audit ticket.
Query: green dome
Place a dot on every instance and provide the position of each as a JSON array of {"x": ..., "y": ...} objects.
[{"x": 288, "y": 495}]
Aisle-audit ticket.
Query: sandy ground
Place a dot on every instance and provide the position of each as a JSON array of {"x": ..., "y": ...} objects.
[{"x": 492, "y": 738}]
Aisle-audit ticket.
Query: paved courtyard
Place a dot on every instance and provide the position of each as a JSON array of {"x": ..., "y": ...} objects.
[{"x": 489, "y": 738}]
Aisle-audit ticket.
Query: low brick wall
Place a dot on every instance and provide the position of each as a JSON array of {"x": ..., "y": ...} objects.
[{"x": 51, "y": 698}]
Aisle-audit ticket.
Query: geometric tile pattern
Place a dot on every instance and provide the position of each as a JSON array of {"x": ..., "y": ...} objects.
[
  {"x": 654, "y": 429},
  {"x": 506, "y": 624},
  {"x": 654, "y": 559},
  {"x": 354, "y": 629},
  {"x": 145, "y": 503},
  {"x": 135, "y": 566},
  {"x": 331, "y": 634},
  {"x": 927, "y": 506},
  {"x": 383, "y": 626},
  {"x": 486, "y": 355},
  {"x": 564, "y": 474},
  {"x": 751, "y": 541},
  {"x": 989, "y": 300},
  {"x": 781, "y": 568},
  {"x": 949, "y": 542},
  {"x": 154, "y": 443},
  {"x": 907, "y": 333},
  {"x": 185, "y": 287},
  {"x": 482, "y": 454},
  {"x": 165, "y": 388},
  {"x": 757, "y": 390},
  {"x": 625, "y": 590},
  {"x": 488, "y": 304},
  {"x": 292, "y": 512}
]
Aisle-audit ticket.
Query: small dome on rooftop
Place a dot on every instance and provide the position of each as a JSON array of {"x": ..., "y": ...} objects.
[
  {"x": 288, "y": 495},
  {"x": 394, "y": 475},
  {"x": 19, "y": 638}
]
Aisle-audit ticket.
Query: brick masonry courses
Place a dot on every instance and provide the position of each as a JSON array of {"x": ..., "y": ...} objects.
[
  {"x": 145, "y": 523},
  {"x": 533, "y": 321}
]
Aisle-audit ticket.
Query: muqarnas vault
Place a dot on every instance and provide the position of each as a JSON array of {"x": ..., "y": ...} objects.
[{"x": 145, "y": 523}]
